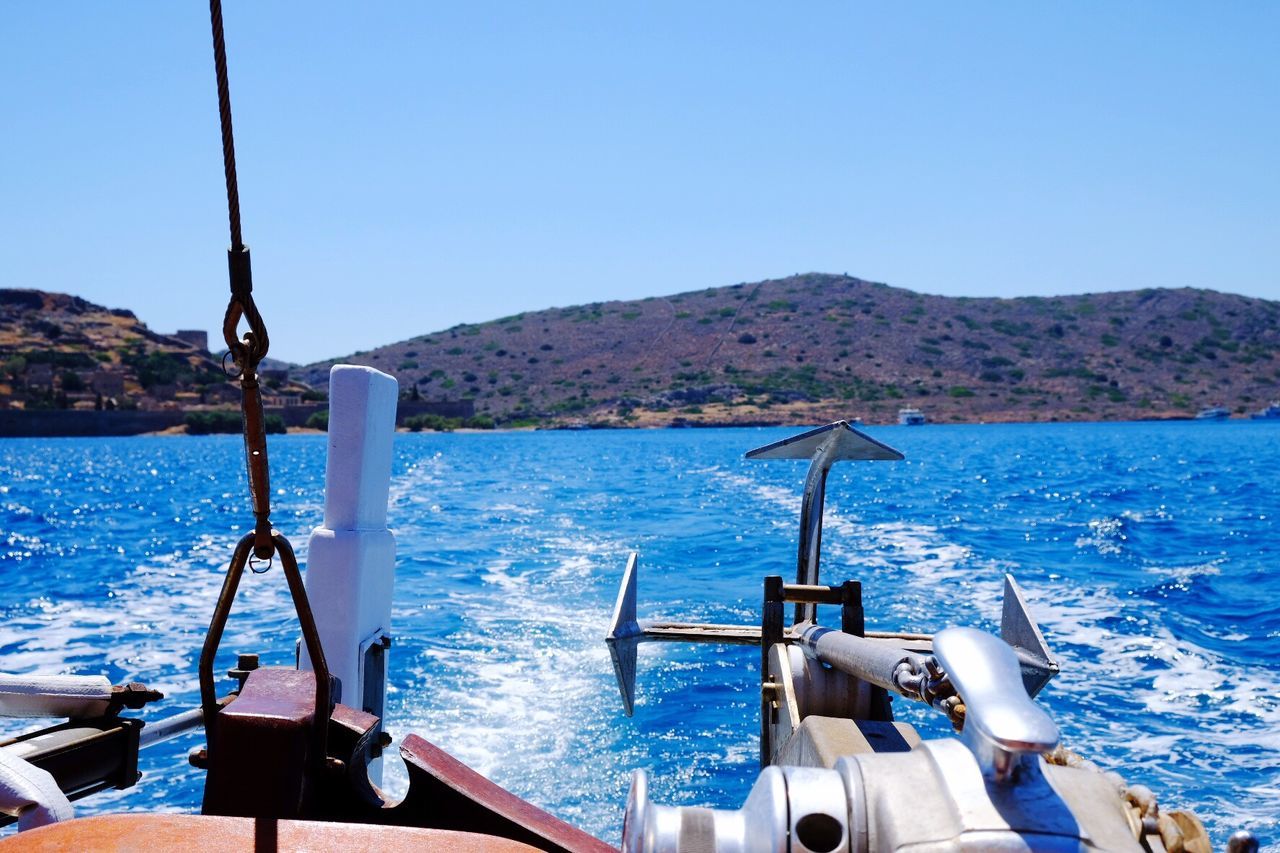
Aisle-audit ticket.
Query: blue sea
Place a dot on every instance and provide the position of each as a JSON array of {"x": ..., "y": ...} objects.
[{"x": 1148, "y": 553}]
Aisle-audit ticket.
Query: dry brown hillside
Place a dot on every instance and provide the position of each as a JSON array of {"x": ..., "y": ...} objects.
[
  {"x": 815, "y": 347},
  {"x": 62, "y": 352}
]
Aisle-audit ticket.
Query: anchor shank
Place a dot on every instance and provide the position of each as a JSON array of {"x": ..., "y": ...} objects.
[{"x": 810, "y": 549}]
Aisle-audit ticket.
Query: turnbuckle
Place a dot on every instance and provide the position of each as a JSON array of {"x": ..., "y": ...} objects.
[{"x": 247, "y": 353}]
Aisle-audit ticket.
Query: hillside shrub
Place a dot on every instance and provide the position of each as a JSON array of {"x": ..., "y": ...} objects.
[
  {"x": 439, "y": 423},
  {"x": 1008, "y": 327},
  {"x": 319, "y": 420},
  {"x": 206, "y": 423},
  {"x": 227, "y": 421},
  {"x": 435, "y": 423},
  {"x": 166, "y": 368}
]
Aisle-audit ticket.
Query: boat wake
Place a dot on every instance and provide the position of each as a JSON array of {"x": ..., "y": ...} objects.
[{"x": 1151, "y": 590}]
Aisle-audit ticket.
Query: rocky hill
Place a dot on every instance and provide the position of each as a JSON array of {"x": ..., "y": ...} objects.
[
  {"x": 63, "y": 352},
  {"x": 812, "y": 348}
]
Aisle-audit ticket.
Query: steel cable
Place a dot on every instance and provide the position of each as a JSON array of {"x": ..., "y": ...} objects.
[
  {"x": 249, "y": 350},
  {"x": 224, "y": 113}
]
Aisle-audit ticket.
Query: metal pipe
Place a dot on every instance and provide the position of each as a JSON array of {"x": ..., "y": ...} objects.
[
  {"x": 170, "y": 727},
  {"x": 213, "y": 637},
  {"x": 874, "y": 662}
]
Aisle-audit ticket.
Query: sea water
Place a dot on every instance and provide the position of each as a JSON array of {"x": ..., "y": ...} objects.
[{"x": 1147, "y": 552}]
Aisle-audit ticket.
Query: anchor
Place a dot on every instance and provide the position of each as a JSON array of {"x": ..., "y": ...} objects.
[
  {"x": 838, "y": 772},
  {"x": 870, "y": 656}
]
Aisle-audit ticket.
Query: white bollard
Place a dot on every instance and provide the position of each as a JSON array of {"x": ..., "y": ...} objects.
[{"x": 351, "y": 557}]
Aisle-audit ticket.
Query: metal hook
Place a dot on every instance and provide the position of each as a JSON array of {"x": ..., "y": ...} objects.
[
  {"x": 254, "y": 562},
  {"x": 227, "y": 371}
]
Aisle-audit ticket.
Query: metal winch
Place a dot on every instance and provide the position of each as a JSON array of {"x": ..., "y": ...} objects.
[{"x": 991, "y": 790}]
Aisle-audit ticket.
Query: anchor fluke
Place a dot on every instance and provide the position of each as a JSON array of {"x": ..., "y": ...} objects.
[
  {"x": 1020, "y": 631},
  {"x": 626, "y": 632},
  {"x": 837, "y": 441},
  {"x": 624, "y": 635}
]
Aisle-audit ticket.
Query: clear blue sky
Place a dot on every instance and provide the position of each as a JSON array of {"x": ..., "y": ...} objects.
[{"x": 408, "y": 166}]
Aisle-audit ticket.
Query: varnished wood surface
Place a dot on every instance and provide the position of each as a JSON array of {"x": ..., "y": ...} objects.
[{"x": 161, "y": 833}]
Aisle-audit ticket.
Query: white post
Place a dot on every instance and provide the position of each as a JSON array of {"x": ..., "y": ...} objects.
[{"x": 351, "y": 557}]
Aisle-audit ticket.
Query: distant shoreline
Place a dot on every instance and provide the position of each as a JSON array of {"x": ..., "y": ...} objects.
[{"x": 180, "y": 430}]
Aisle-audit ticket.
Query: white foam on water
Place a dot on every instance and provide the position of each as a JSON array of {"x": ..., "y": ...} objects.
[
  {"x": 848, "y": 541},
  {"x": 1183, "y": 574},
  {"x": 413, "y": 484},
  {"x": 511, "y": 509},
  {"x": 918, "y": 548},
  {"x": 516, "y": 687},
  {"x": 498, "y": 572},
  {"x": 1106, "y": 536}
]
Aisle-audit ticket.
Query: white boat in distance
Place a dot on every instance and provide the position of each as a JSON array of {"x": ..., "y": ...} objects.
[
  {"x": 1270, "y": 413},
  {"x": 911, "y": 417},
  {"x": 1214, "y": 413}
]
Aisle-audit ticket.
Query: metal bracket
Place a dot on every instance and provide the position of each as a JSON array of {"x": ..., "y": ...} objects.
[
  {"x": 324, "y": 687},
  {"x": 83, "y": 756}
]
